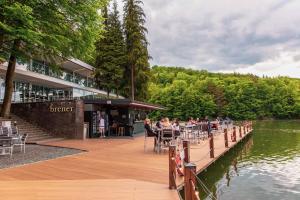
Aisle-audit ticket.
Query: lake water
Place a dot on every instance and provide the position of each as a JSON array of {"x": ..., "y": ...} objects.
[{"x": 265, "y": 166}]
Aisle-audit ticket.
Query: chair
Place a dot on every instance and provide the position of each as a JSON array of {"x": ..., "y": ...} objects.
[
  {"x": 6, "y": 131},
  {"x": 150, "y": 135},
  {"x": 204, "y": 129},
  {"x": 14, "y": 130},
  {"x": 113, "y": 128},
  {"x": 21, "y": 142},
  {"x": 6, "y": 146},
  {"x": 1, "y": 131},
  {"x": 121, "y": 131},
  {"x": 167, "y": 137}
]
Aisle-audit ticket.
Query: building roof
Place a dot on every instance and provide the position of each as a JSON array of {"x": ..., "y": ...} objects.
[
  {"x": 124, "y": 103},
  {"x": 78, "y": 66}
]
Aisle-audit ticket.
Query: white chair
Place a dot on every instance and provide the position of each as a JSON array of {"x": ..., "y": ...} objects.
[
  {"x": 6, "y": 146},
  {"x": 21, "y": 142}
]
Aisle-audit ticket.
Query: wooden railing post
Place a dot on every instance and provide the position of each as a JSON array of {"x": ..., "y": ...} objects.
[
  {"x": 240, "y": 131},
  {"x": 172, "y": 167},
  {"x": 211, "y": 146},
  {"x": 244, "y": 129},
  {"x": 189, "y": 177},
  {"x": 186, "y": 149},
  {"x": 226, "y": 137},
  {"x": 234, "y": 134}
]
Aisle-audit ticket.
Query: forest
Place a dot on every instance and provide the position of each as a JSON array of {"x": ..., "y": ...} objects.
[{"x": 198, "y": 93}]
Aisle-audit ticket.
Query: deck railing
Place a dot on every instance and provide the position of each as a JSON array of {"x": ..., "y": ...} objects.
[{"x": 190, "y": 173}]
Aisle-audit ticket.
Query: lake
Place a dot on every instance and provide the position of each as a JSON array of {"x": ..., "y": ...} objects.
[{"x": 264, "y": 166}]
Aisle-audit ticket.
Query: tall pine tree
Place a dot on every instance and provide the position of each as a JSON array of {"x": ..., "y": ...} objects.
[
  {"x": 138, "y": 67},
  {"x": 110, "y": 54}
]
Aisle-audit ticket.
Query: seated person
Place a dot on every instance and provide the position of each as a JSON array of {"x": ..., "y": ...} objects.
[
  {"x": 166, "y": 124},
  {"x": 176, "y": 127},
  {"x": 191, "y": 121},
  {"x": 158, "y": 124},
  {"x": 147, "y": 127}
]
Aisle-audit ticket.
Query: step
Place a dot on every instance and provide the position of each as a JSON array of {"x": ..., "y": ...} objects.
[
  {"x": 39, "y": 138},
  {"x": 50, "y": 140},
  {"x": 35, "y": 133}
]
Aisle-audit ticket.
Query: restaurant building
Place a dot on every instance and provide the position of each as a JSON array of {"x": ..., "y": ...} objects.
[{"x": 67, "y": 103}]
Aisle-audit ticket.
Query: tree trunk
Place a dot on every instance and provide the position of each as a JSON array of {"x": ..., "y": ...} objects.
[
  {"x": 117, "y": 93},
  {"x": 9, "y": 78},
  {"x": 108, "y": 92},
  {"x": 1, "y": 35},
  {"x": 132, "y": 83}
]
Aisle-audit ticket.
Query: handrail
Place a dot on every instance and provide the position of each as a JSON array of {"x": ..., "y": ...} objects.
[{"x": 190, "y": 177}]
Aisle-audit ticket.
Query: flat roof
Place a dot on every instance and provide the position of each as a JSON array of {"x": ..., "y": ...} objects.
[
  {"x": 78, "y": 66},
  {"x": 124, "y": 103}
]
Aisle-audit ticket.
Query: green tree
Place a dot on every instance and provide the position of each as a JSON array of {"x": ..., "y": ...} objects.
[
  {"x": 187, "y": 92},
  {"x": 138, "y": 68},
  {"x": 46, "y": 29},
  {"x": 110, "y": 54}
]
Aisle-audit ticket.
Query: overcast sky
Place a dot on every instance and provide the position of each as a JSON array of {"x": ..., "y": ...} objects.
[{"x": 246, "y": 36}]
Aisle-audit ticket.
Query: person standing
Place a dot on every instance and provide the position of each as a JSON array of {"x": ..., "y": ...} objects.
[{"x": 102, "y": 126}]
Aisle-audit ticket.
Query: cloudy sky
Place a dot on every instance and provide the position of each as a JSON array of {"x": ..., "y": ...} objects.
[{"x": 246, "y": 36}]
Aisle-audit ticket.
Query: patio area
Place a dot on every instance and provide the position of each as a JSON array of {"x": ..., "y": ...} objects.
[
  {"x": 107, "y": 169},
  {"x": 33, "y": 154}
]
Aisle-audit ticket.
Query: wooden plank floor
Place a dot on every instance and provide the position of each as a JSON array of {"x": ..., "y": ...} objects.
[
  {"x": 109, "y": 169},
  {"x": 115, "y": 189}
]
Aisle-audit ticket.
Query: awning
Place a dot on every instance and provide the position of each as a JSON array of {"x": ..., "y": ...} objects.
[{"x": 124, "y": 103}]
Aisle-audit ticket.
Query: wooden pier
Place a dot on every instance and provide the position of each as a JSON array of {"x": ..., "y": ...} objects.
[{"x": 108, "y": 169}]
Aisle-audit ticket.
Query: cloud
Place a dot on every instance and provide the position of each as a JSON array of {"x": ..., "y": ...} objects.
[
  {"x": 225, "y": 35},
  {"x": 285, "y": 64}
]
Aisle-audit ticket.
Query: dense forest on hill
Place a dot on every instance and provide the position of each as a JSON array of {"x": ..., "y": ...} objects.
[{"x": 187, "y": 92}]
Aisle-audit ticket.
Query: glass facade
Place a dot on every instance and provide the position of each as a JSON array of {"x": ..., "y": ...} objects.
[
  {"x": 63, "y": 74},
  {"x": 29, "y": 92}
]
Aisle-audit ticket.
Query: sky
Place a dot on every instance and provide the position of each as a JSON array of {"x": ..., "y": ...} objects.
[{"x": 261, "y": 37}]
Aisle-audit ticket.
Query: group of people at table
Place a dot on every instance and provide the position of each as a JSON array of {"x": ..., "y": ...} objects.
[
  {"x": 174, "y": 125},
  {"x": 164, "y": 123}
]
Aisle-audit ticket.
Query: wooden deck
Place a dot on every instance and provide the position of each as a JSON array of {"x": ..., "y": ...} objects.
[{"x": 109, "y": 169}]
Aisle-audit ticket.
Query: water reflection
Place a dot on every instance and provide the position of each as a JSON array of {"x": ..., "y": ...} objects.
[{"x": 265, "y": 166}]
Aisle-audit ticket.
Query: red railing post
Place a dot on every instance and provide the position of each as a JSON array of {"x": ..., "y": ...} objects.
[
  {"x": 189, "y": 179},
  {"x": 234, "y": 134},
  {"x": 226, "y": 137},
  {"x": 172, "y": 167},
  {"x": 186, "y": 149},
  {"x": 211, "y": 146}
]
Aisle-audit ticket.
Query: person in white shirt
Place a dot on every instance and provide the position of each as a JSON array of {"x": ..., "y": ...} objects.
[{"x": 102, "y": 126}]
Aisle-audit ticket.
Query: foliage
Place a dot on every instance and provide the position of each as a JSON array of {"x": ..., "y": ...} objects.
[
  {"x": 51, "y": 28},
  {"x": 187, "y": 92},
  {"x": 110, "y": 51},
  {"x": 46, "y": 29},
  {"x": 136, "y": 48}
]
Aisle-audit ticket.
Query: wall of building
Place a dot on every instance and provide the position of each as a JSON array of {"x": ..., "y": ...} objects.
[{"x": 61, "y": 118}]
